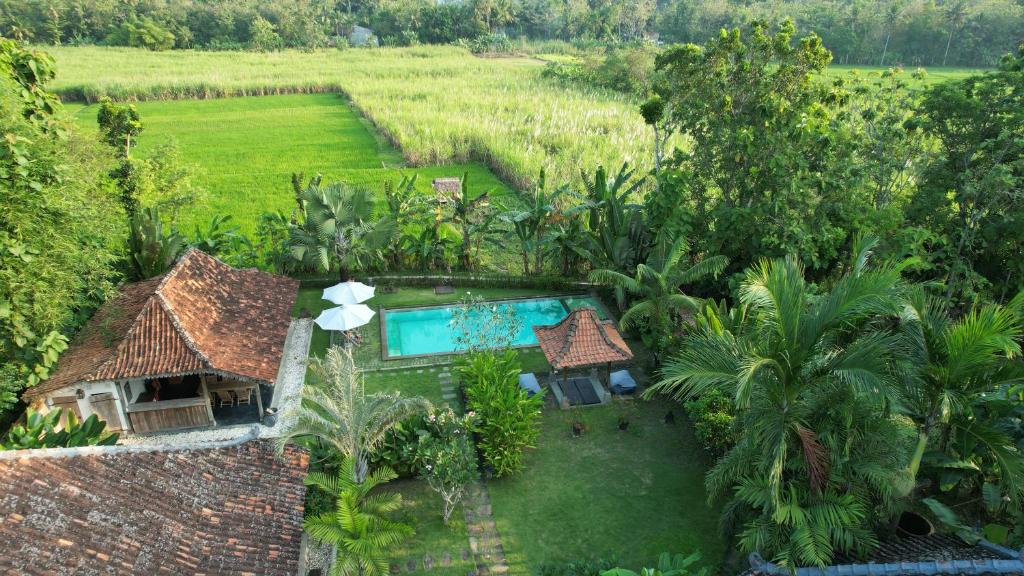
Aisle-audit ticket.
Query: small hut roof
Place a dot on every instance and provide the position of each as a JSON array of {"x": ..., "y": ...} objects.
[{"x": 582, "y": 339}]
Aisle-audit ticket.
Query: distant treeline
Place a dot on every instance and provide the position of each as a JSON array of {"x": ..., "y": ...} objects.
[{"x": 879, "y": 32}]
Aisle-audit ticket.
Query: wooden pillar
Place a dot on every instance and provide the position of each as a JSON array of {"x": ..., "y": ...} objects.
[
  {"x": 206, "y": 397},
  {"x": 259, "y": 400},
  {"x": 124, "y": 406}
]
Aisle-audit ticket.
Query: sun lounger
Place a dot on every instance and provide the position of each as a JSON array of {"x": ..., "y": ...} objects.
[
  {"x": 621, "y": 382},
  {"x": 529, "y": 383}
]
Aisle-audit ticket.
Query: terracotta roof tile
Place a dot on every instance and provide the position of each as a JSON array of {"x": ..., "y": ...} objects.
[
  {"x": 202, "y": 315},
  {"x": 227, "y": 510},
  {"x": 582, "y": 339}
]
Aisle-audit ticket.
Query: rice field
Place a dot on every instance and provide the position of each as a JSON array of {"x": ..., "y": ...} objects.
[
  {"x": 438, "y": 104},
  {"x": 245, "y": 150}
]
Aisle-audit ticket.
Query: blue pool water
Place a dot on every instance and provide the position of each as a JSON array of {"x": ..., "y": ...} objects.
[{"x": 428, "y": 330}]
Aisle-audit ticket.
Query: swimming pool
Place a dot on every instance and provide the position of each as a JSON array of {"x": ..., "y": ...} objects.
[{"x": 425, "y": 331}]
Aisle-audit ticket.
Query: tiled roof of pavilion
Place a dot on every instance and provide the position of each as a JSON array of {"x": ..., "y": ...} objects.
[
  {"x": 227, "y": 509},
  {"x": 582, "y": 339},
  {"x": 202, "y": 315}
]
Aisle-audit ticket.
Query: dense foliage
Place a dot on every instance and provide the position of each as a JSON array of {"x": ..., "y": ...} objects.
[
  {"x": 359, "y": 525},
  {"x": 881, "y": 32},
  {"x": 57, "y": 429},
  {"x": 507, "y": 417},
  {"x": 60, "y": 233}
]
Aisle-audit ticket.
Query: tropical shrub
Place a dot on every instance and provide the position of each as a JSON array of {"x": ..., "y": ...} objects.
[
  {"x": 45, "y": 431},
  {"x": 580, "y": 567},
  {"x": 668, "y": 565},
  {"x": 449, "y": 460},
  {"x": 335, "y": 411},
  {"x": 402, "y": 447},
  {"x": 712, "y": 414},
  {"x": 61, "y": 232},
  {"x": 152, "y": 248},
  {"x": 358, "y": 526},
  {"x": 508, "y": 419}
]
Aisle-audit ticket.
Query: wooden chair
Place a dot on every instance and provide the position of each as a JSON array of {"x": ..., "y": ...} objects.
[
  {"x": 224, "y": 398},
  {"x": 243, "y": 396}
]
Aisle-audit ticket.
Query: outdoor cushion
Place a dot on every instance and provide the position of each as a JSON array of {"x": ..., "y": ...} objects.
[
  {"x": 529, "y": 383},
  {"x": 621, "y": 382}
]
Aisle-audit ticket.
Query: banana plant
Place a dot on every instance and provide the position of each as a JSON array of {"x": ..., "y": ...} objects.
[{"x": 44, "y": 431}]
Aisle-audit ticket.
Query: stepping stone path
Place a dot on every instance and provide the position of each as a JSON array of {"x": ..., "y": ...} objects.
[
  {"x": 484, "y": 541},
  {"x": 447, "y": 386},
  {"x": 485, "y": 548}
]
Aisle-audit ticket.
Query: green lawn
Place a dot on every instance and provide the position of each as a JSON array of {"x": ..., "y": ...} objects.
[
  {"x": 631, "y": 495},
  {"x": 245, "y": 150},
  {"x": 421, "y": 508}
]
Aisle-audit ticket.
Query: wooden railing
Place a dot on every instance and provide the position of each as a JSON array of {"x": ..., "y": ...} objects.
[{"x": 169, "y": 415}]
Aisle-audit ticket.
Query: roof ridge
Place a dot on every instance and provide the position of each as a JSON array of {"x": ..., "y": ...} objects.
[
  {"x": 251, "y": 435},
  {"x": 131, "y": 329},
  {"x": 190, "y": 342},
  {"x": 607, "y": 339}
]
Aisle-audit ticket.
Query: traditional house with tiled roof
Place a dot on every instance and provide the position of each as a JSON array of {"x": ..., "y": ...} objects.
[
  {"x": 198, "y": 346},
  {"x": 229, "y": 508}
]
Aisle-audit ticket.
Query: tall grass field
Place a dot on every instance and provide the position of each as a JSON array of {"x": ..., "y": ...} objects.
[
  {"x": 439, "y": 104},
  {"x": 245, "y": 150}
]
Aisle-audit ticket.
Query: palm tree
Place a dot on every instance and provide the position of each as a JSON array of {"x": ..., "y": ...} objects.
[
  {"x": 336, "y": 410},
  {"x": 337, "y": 228},
  {"x": 466, "y": 212},
  {"x": 957, "y": 366},
  {"x": 530, "y": 225},
  {"x": 956, "y": 12},
  {"x": 809, "y": 377},
  {"x": 618, "y": 236},
  {"x": 358, "y": 528},
  {"x": 655, "y": 285}
]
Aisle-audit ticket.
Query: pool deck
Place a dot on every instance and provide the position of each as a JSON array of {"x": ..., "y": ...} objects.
[{"x": 602, "y": 311}]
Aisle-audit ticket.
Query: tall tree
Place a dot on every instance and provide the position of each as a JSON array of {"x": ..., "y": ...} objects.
[
  {"x": 58, "y": 243},
  {"x": 973, "y": 195},
  {"x": 815, "y": 461},
  {"x": 336, "y": 410},
  {"x": 770, "y": 170}
]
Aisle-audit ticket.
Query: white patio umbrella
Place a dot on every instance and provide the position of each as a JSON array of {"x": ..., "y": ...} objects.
[
  {"x": 345, "y": 317},
  {"x": 349, "y": 293}
]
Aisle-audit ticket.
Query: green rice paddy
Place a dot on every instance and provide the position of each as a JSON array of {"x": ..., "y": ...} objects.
[{"x": 245, "y": 150}]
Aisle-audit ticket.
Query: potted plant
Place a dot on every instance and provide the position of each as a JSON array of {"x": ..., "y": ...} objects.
[
  {"x": 578, "y": 425},
  {"x": 623, "y": 422}
]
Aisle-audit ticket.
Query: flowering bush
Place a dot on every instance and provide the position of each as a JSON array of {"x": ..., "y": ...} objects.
[
  {"x": 402, "y": 450},
  {"x": 448, "y": 459}
]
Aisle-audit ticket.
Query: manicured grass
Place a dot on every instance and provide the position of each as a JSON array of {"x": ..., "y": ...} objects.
[
  {"x": 421, "y": 508},
  {"x": 368, "y": 354},
  {"x": 245, "y": 150},
  {"x": 423, "y": 382},
  {"x": 631, "y": 495},
  {"x": 440, "y": 104}
]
